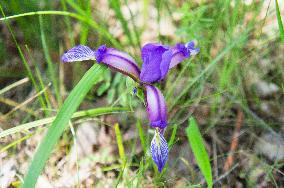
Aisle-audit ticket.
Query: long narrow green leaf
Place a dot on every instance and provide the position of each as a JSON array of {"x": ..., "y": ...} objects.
[
  {"x": 60, "y": 123},
  {"x": 197, "y": 145},
  {"x": 173, "y": 135},
  {"x": 121, "y": 152},
  {"x": 142, "y": 136},
  {"x": 79, "y": 114},
  {"x": 279, "y": 20},
  {"x": 119, "y": 142}
]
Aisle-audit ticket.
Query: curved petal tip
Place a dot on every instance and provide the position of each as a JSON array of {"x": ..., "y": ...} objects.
[
  {"x": 183, "y": 51},
  {"x": 156, "y": 107}
]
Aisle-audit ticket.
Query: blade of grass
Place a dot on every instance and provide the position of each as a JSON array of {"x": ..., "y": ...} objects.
[
  {"x": 78, "y": 68},
  {"x": 86, "y": 18},
  {"x": 120, "y": 151},
  {"x": 209, "y": 69},
  {"x": 79, "y": 114},
  {"x": 173, "y": 136},
  {"x": 197, "y": 145},
  {"x": 279, "y": 20},
  {"x": 79, "y": 17},
  {"x": 51, "y": 71},
  {"x": 140, "y": 174},
  {"x": 21, "y": 105},
  {"x": 171, "y": 89},
  {"x": 68, "y": 24},
  {"x": 5, "y": 148},
  {"x": 142, "y": 136},
  {"x": 60, "y": 123},
  {"x": 119, "y": 142},
  {"x": 135, "y": 29},
  {"x": 85, "y": 28},
  {"x": 116, "y": 6},
  {"x": 11, "y": 86},
  {"x": 15, "y": 104},
  {"x": 39, "y": 77}
]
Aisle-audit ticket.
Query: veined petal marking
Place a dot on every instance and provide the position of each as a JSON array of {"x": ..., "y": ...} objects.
[
  {"x": 159, "y": 150},
  {"x": 78, "y": 53}
]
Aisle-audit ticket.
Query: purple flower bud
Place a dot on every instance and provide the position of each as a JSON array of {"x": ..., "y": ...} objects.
[
  {"x": 159, "y": 150},
  {"x": 119, "y": 61},
  {"x": 78, "y": 53},
  {"x": 156, "y": 107}
]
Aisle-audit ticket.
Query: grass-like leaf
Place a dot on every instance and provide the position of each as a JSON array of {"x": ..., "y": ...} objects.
[
  {"x": 121, "y": 152},
  {"x": 60, "y": 123},
  {"x": 119, "y": 142},
  {"x": 79, "y": 114},
  {"x": 279, "y": 20},
  {"x": 197, "y": 145},
  {"x": 50, "y": 66}
]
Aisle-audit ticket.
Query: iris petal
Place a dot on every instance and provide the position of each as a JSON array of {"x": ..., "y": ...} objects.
[
  {"x": 156, "y": 59},
  {"x": 78, "y": 53},
  {"x": 159, "y": 150},
  {"x": 165, "y": 64},
  {"x": 181, "y": 52},
  {"x": 156, "y": 107},
  {"x": 119, "y": 61}
]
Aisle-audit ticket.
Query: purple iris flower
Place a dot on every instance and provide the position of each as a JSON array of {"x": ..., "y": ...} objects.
[{"x": 157, "y": 60}]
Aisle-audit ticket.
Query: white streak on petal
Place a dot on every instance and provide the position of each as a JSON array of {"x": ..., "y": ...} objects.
[
  {"x": 176, "y": 59},
  {"x": 156, "y": 107},
  {"x": 152, "y": 104},
  {"x": 121, "y": 54}
]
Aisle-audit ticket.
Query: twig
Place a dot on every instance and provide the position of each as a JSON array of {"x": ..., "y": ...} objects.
[
  {"x": 226, "y": 173},
  {"x": 235, "y": 140}
]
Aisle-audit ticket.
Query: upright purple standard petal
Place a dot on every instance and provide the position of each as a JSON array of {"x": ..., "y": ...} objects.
[
  {"x": 181, "y": 52},
  {"x": 156, "y": 61},
  {"x": 159, "y": 150},
  {"x": 119, "y": 61},
  {"x": 78, "y": 53},
  {"x": 156, "y": 107}
]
